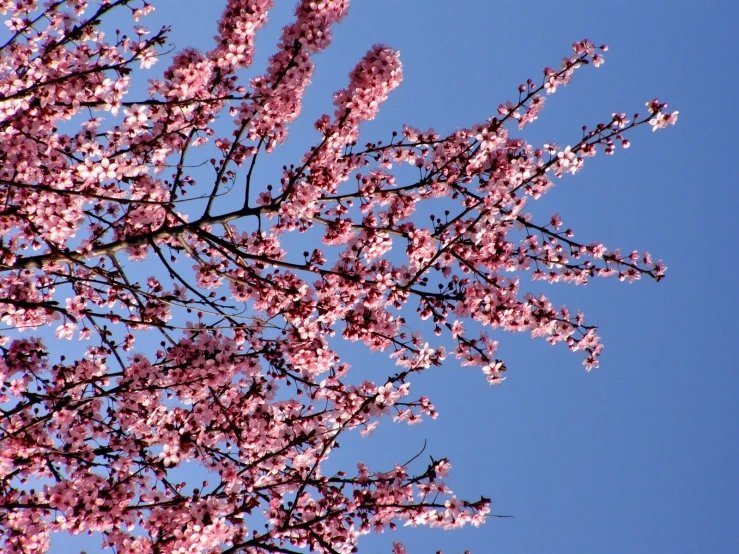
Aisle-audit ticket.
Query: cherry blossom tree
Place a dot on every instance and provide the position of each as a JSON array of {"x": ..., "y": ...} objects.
[{"x": 106, "y": 236}]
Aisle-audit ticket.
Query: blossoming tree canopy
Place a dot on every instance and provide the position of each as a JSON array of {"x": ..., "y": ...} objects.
[{"x": 105, "y": 236}]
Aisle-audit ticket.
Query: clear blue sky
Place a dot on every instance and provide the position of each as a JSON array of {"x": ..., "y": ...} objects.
[{"x": 641, "y": 455}]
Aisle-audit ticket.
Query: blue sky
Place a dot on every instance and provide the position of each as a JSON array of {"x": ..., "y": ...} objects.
[{"x": 639, "y": 456}]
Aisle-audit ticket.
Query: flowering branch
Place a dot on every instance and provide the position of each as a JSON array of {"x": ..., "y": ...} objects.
[{"x": 245, "y": 381}]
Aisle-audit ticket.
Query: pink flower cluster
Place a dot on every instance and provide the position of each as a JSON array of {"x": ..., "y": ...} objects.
[
  {"x": 278, "y": 94},
  {"x": 237, "y": 30}
]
